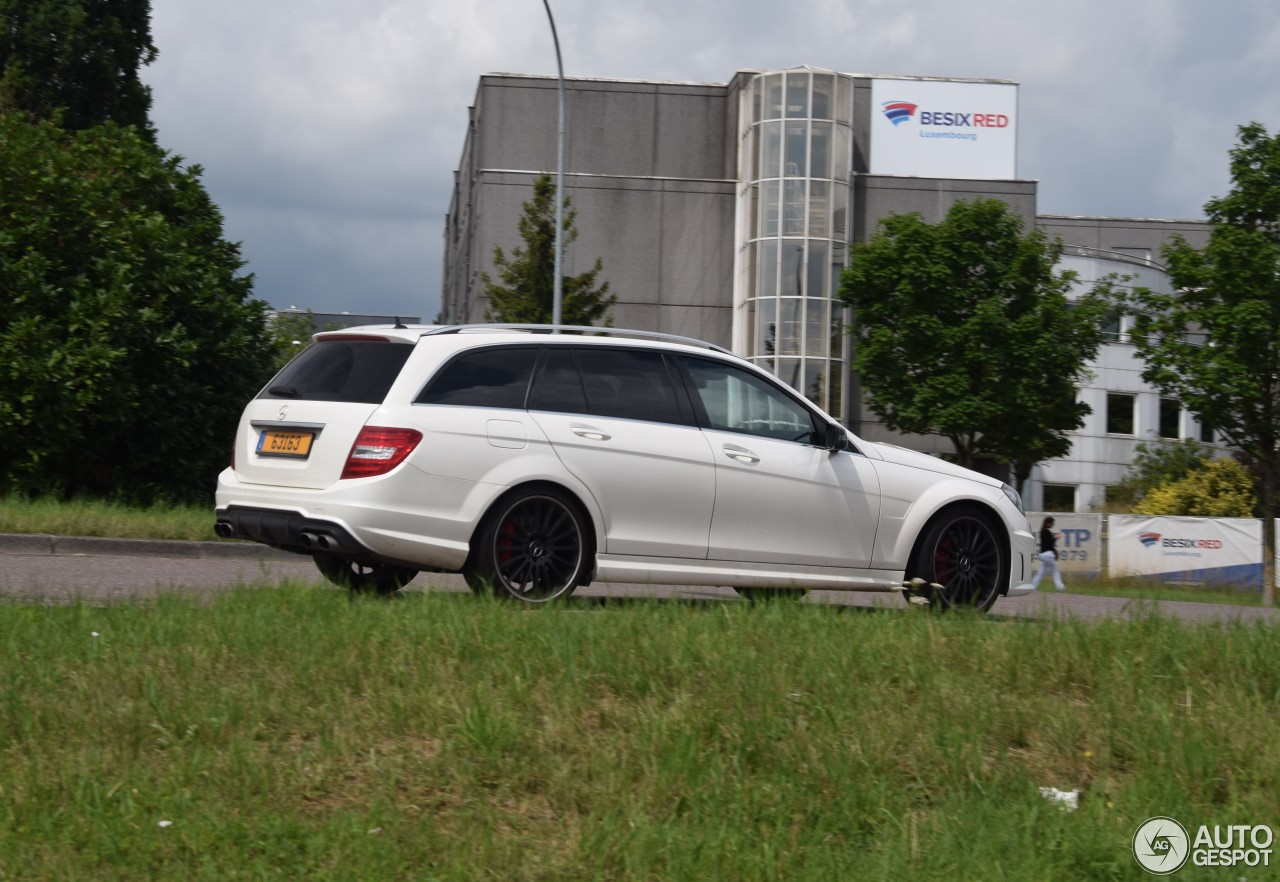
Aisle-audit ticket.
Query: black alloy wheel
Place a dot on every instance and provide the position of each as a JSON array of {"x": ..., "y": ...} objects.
[
  {"x": 961, "y": 552},
  {"x": 362, "y": 578},
  {"x": 534, "y": 547}
]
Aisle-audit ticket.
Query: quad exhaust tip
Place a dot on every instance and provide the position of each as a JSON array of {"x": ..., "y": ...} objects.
[{"x": 316, "y": 540}]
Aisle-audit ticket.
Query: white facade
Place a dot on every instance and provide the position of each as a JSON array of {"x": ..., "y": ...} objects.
[{"x": 1126, "y": 410}]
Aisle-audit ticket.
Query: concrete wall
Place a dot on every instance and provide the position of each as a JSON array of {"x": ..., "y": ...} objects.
[
  {"x": 650, "y": 168},
  {"x": 1141, "y": 238},
  {"x": 875, "y": 197}
]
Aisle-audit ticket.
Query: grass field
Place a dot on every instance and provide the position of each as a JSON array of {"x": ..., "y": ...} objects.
[
  {"x": 83, "y": 517},
  {"x": 297, "y": 734}
]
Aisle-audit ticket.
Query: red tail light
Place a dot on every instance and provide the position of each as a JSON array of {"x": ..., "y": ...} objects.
[{"x": 378, "y": 450}]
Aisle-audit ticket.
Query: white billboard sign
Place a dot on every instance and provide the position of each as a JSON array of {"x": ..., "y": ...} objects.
[
  {"x": 1200, "y": 550},
  {"x": 944, "y": 129},
  {"x": 1079, "y": 540}
]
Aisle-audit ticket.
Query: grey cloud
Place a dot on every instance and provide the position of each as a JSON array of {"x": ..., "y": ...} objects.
[{"x": 329, "y": 130}]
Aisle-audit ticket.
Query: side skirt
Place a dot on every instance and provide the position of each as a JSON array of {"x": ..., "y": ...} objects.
[{"x": 677, "y": 571}]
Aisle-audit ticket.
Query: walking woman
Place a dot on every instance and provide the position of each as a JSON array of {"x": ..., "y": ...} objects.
[{"x": 1048, "y": 557}]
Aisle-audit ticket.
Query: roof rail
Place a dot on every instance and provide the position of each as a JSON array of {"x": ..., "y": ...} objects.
[{"x": 578, "y": 329}]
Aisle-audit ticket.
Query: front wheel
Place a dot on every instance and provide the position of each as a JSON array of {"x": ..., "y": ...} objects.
[
  {"x": 534, "y": 546},
  {"x": 362, "y": 578},
  {"x": 962, "y": 553}
]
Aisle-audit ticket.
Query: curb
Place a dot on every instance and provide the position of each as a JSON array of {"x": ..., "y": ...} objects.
[{"x": 46, "y": 544}]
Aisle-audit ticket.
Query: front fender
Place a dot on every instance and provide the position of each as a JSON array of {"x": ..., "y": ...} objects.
[{"x": 910, "y": 499}]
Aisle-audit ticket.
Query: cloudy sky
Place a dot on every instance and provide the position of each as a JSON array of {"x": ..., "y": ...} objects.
[{"x": 329, "y": 129}]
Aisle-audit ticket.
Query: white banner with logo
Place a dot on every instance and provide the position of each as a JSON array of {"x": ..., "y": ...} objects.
[
  {"x": 1194, "y": 550},
  {"x": 944, "y": 129},
  {"x": 1079, "y": 540}
]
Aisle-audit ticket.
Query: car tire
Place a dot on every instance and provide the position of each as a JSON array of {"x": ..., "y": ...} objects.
[
  {"x": 764, "y": 595},
  {"x": 961, "y": 551},
  {"x": 362, "y": 578},
  {"x": 535, "y": 546}
]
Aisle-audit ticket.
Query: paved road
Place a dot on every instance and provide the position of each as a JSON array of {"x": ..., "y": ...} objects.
[{"x": 61, "y": 569}]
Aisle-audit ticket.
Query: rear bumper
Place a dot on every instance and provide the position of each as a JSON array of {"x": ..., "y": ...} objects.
[
  {"x": 287, "y": 530},
  {"x": 405, "y": 518}
]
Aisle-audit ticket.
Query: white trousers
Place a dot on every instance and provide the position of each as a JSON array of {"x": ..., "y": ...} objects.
[{"x": 1048, "y": 564}]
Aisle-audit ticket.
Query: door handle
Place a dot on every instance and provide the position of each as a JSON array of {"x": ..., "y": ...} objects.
[
  {"x": 591, "y": 433},
  {"x": 740, "y": 454}
]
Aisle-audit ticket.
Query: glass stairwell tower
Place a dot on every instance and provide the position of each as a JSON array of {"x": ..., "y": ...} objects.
[{"x": 794, "y": 169}]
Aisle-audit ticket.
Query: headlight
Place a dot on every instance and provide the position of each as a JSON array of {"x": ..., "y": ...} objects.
[{"x": 1013, "y": 497}]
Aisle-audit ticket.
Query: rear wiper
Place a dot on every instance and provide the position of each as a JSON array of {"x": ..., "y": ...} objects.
[{"x": 283, "y": 391}]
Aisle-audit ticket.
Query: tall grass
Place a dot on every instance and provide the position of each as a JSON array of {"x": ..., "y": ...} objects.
[
  {"x": 296, "y": 734},
  {"x": 93, "y": 517}
]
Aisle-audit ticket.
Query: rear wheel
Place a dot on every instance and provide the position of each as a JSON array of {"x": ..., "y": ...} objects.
[
  {"x": 362, "y": 578},
  {"x": 961, "y": 552},
  {"x": 534, "y": 546}
]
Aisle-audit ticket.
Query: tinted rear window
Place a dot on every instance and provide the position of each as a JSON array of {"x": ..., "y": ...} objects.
[
  {"x": 484, "y": 378},
  {"x": 356, "y": 371},
  {"x": 559, "y": 387},
  {"x": 629, "y": 384}
]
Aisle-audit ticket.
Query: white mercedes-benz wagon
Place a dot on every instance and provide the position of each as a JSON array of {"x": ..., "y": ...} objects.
[{"x": 535, "y": 462}]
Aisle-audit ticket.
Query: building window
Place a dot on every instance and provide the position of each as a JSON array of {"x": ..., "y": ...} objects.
[
  {"x": 1111, "y": 328},
  {"x": 1170, "y": 418},
  {"x": 1206, "y": 432},
  {"x": 1059, "y": 497},
  {"x": 1121, "y": 407}
]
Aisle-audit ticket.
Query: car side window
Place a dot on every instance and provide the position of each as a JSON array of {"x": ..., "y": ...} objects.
[
  {"x": 629, "y": 384},
  {"x": 559, "y": 386},
  {"x": 736, "y": 400},
  {"x": 495, "y": 377}
]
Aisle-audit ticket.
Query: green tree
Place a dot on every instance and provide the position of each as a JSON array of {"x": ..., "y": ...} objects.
[
  {"x": 525, "y": 290},
  {"x": 1215, "y": 342},
  {"x": 963, "y": 329},
  {"x": 77, "y": 61},
  {"x": 1221, "y": 488},
  {"x": 290, "y": 331},
  {"x": 1155, "y": 464},
  {"x": 129, "y": 342}
]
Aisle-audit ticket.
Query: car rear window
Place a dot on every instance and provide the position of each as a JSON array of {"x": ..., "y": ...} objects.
[
  {"x": 355, "y": 371},
  {"x": 496, "y": 377}
]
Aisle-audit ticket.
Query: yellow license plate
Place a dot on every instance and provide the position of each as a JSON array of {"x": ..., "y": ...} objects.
[{"x": 276, "y": 443}]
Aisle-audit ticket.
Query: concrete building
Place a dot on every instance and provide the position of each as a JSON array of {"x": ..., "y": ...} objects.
[{"x": 725, "y": 212}]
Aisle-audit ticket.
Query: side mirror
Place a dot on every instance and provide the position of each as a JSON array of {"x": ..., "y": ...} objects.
[{"x": 835, "y": 438}]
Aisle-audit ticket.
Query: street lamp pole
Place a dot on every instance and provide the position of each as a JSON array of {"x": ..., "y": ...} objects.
[{"x": 557, "y": 289}]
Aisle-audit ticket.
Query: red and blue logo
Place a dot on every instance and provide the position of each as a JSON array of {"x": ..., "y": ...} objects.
[
  {"x": 899, "y": 112},
  {"x": 1151, "y": 539}
]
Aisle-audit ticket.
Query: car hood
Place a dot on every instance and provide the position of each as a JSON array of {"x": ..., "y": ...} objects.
[{"x": 914, "y": 459}]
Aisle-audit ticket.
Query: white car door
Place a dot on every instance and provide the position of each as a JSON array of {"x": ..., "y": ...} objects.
[
  {"x": 613, "y": 418},
  {"x": 779, "y": 498}
]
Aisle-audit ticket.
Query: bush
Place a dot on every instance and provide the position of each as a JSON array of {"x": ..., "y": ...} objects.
[
  {"x": 1156, "y": 464},
  {"x": 1221, "y": 488},
  {"x": 129, "y": 341}
]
